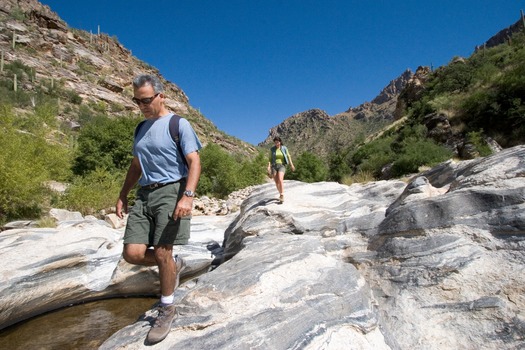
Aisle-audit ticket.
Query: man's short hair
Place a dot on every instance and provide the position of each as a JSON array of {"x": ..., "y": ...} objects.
[{"x": 148, "y": 79}]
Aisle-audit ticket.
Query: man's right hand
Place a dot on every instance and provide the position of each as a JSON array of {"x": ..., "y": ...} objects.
[{"x": 122, "y": 207}]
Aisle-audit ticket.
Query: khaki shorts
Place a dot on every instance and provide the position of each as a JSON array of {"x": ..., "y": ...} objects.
[
  {"x": 150, "y": 220},
  {"x": 278, "y": 168}
]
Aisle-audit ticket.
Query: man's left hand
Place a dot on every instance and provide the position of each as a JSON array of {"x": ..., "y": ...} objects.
[{"x": 184, "y": 207}]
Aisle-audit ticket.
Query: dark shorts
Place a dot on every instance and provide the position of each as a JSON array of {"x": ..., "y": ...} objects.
[
  {"x": 278, "y": 168},
  {"x": 150, "y": 220}
]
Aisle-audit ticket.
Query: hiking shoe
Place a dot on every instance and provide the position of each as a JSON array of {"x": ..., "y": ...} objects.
[
  {"x": 181, "y": 265},
  {"x": 281, "y": 198},
  {"x": 162, "y": 325}
]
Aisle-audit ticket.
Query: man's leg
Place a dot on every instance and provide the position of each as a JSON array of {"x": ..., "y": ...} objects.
[
  {"x": 139, "y": 254},
  {"x": 164, "y": 259},
  {"x": 167, "y": 228},
  {"x": 168, "y": 273}
]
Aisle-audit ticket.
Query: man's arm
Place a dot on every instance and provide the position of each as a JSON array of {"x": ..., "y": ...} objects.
[
  {"x": 185, "y": 204},
  {"x": 132, "y": 176}
]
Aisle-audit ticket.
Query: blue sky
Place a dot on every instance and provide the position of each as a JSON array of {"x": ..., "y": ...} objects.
[{"x": 247, "y": 65}]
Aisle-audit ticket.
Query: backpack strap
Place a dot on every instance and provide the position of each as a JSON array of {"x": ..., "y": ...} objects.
[
  {"x": 138, "y": 128},
  {"x": 174, "y": 133}
]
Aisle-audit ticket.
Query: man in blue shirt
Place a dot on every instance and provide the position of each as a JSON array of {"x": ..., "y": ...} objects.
[{"x": 160, "y": 217}]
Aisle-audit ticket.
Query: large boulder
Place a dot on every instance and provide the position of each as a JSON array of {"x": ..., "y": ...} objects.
[
  {"x": 81, "y": 260},
  {"x": 437, "y": 263}
]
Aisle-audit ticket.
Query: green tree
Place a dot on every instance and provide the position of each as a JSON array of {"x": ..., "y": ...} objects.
[
  {"x": 223, "y": 173},
  {"x": 218, "y": 175},
  {"x": 105, "y": 143},
  {"x": 27, "y": 161},
  {"x": 338, "y": 167},
  {"x": 92, "y": 192},
  {"x": 416, "y": 153},
  {"x": 309, "y": 168}
]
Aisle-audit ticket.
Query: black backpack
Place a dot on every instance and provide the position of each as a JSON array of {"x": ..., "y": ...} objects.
[{"x": 174, "y": 132}]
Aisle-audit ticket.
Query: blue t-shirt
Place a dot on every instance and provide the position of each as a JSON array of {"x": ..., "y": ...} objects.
[{"x": 158, "y": 154}]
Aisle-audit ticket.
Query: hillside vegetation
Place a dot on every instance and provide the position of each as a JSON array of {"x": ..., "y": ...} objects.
[
  {"x": 67, "y": 119},
  {"x": 459, "y": 110},
  {"x": 53, "y": 133},
  {"x": 39, "y": 149}
]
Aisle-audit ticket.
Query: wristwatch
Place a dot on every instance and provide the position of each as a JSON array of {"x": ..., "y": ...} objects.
[{"x": 189, "y": 193}]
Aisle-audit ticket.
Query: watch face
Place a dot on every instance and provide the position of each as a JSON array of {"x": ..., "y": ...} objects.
[{"x": 188, "y": 193}]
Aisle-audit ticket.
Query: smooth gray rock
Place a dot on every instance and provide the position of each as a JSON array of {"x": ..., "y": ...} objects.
[
  {"x": 435, "y": 263},
  {"x": 386, "y": 265},
  {"x": 79, "y": 261}
]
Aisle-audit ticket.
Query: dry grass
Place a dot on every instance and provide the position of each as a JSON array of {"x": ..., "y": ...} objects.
[{"x": 360, "y": 177}]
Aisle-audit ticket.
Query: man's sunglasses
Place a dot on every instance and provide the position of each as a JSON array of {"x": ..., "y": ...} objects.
[{"x": 144, "y": 101}]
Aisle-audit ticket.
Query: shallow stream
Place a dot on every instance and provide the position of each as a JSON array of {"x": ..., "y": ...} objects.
[{"x": 84, "y": 326}]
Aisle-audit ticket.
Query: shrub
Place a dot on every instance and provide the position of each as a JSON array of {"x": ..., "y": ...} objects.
[
  {"x": 105, "y": 143},
  {"x": 373, "y": 156},
  {"x": 251, "y": 172},
  {"x": 309, "y": 168},
  {"x": 96, "y": 190},
  {"x": 418, "y": 152},
  {"x": 27, "y": 161},
  {"x": 22, "y": 174},
  {"x": 359, "y": 177},
  {"x": 222, "y": 173},
  {"x": 476, "y": 138},
  {"x": 218, "y": 171},
  {"x": 338, "y": 167}
]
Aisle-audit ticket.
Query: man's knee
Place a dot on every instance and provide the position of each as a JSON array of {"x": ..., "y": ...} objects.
[
  {"x": 163, "y": 253},
  {"x": 134, "y": 253}
]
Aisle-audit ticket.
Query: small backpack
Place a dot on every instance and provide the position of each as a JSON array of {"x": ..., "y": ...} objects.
[{"x": 174, "y": 132}]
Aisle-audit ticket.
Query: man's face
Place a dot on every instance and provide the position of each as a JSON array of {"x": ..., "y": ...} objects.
[{"x": 150, "y": 104}]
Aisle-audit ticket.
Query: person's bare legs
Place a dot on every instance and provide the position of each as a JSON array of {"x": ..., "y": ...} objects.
[
  {"x": 279, "y": 182},
  {"x": 167, "y": 273},
  {"x": 161, "y": 256},
  {"x": 139, "y": 254}
]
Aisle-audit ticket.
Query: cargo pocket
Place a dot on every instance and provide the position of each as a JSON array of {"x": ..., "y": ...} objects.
[{"x": 183, "y": 230}]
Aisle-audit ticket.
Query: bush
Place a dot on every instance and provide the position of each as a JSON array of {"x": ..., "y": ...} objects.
[
  {"x": 22, "y": 174},
  {"x": 476, "y": 138},
  {"x": 106, "y": 144},
  {"x": 309, "y": 168},
  {"x": 416, "y": 153},
  {"x": 222, "y": 173},
  {"x": 373, "y": 156},
  {"x": 27, "y": 161},
  {"x": 96, "y": 190},
  {"x": 359, "y": 177},
  {"x": 251, "y": 172},
  {"x": 338, "y": 167},
  {"x": 218, "y": 171}
]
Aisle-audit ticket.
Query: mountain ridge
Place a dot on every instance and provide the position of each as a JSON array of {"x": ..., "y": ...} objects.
[
  {"x": 337, "y": 131},
  {"x": 96, "y": 67},
  {"x": 341, "y": 129}
]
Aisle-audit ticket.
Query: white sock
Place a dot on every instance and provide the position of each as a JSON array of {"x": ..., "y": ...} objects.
[{"x": 167, "y": 299}]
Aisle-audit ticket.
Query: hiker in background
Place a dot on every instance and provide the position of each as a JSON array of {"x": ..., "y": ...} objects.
[
  {"x": 160, "y": 217},
  {"x": 279, "y": 159}
]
